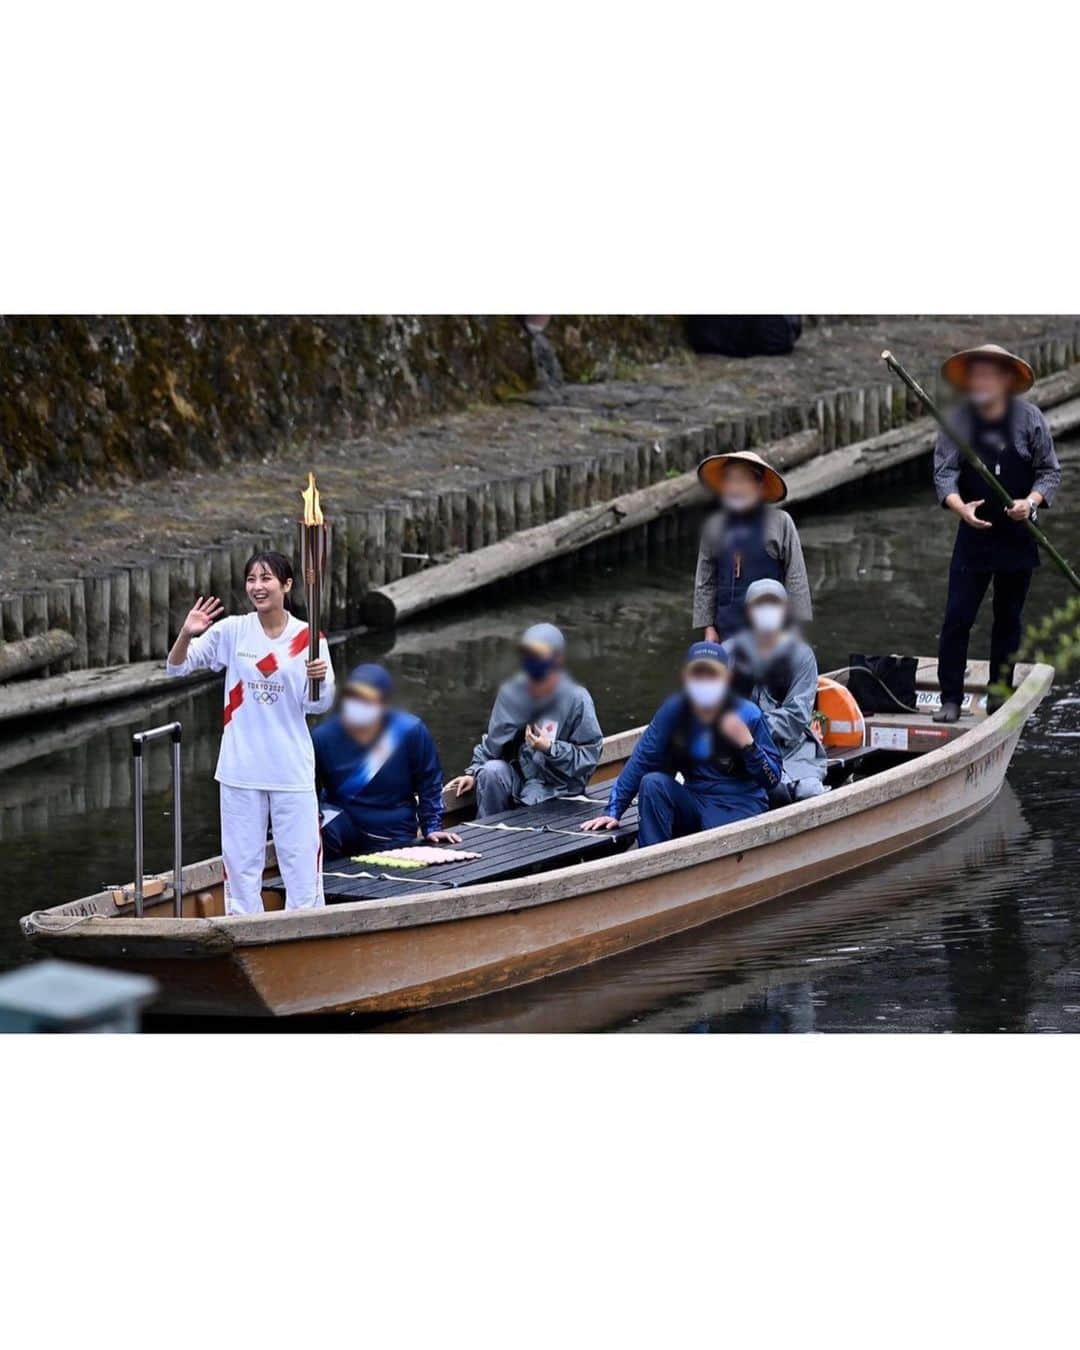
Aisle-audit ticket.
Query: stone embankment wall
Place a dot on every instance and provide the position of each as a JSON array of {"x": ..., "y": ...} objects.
[
  {"x": 127, "y": 613},
  {"x": 87, "y": 399}
]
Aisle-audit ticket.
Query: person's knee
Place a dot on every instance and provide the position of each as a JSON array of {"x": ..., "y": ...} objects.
[
  {"x": 496, "y": 772},
  {"x": 958, "y": 618},
  {"x": 653, "y": 786},
  {"x": 335, "y": 841},
  {"x": 809, "y": 787},
  {"x": 494, "y": 787}
]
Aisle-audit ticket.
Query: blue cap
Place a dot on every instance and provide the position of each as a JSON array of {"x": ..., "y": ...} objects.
[
  {"x": 706, "y": 654},
  {"x": 370, "y": 681},
  {"x": 544, "y": 639}
]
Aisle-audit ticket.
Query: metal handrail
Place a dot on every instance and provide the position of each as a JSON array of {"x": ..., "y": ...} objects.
[{"x": 176, "y": 730}]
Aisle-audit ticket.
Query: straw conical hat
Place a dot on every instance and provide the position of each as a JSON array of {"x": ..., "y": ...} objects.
[
  {"x": 955, "y": 369},
  {"x": 711, "y": 473}
]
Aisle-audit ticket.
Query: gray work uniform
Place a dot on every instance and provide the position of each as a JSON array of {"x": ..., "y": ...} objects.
[
  {"x": 781, "y": 542},
  {"x": 785, "y": 689},
  {"x": 509, "y": 772}
]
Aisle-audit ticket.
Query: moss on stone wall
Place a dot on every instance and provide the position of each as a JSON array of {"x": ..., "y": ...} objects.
[{"x": 89, "y": 399}]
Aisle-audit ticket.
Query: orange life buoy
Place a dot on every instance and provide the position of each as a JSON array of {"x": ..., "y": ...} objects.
[{"x": 841, "y": 717}]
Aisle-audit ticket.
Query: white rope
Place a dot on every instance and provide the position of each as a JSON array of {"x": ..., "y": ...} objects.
[
  {"x": 523, "y": 829},
  {"x": 53, "y": 927},
  {"x": 386, "y": 876},
  {"x": 502, "y": 825}
]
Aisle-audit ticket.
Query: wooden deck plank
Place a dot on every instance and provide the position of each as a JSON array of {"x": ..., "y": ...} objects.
[{"x": 540, "y": 837}]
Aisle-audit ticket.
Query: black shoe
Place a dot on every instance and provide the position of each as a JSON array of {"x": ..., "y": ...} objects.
[
  {"x": 993, "y": 703},
  {"x": 948, "y": 712}
]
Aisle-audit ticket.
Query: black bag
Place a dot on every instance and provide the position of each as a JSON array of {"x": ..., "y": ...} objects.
[{"x": 883, "y": 684}]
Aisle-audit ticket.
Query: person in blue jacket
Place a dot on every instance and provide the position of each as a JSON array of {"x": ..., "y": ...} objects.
[
  {"x": 718, "y": 742},
  {"x": 378, "y": 772}
]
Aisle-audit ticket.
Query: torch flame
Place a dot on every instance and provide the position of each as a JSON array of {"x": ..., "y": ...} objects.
[{"x": 310, "y": 496}]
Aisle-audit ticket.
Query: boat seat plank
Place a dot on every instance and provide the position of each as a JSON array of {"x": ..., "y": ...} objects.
[{"x": 540, "y": 837}]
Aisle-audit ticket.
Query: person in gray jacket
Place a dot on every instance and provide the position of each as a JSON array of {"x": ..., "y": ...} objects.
[
  {"x": 543, "y": 739},
  {"x": 748, "y": 539},
  {"x": 774, "y": 667}
]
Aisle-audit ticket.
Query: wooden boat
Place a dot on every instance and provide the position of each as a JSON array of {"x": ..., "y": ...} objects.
[
  {"x": 773, "y": 952},
  {"x": 415, "y": 946}
]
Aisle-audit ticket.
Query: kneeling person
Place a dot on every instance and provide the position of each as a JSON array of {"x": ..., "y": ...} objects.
[
  {"x": 774, "y": 667},
  {"x": 717, "y": 741},
  {"x": 543, "y": 739},
  {"x": 378, "y": 772}
]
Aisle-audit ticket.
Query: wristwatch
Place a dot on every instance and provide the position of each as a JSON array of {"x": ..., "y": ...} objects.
[{"x": 1034, "y": 508}]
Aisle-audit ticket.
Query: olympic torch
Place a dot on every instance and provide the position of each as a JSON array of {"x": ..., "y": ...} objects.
[{"x": 314, "y": 549}]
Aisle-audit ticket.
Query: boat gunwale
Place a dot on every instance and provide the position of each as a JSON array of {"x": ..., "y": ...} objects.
[{"x": 216, "y": 934}]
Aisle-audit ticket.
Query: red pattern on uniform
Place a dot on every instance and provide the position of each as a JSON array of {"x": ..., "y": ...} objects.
[
  {"x": 267, "y": 665},
  {"x": 299, "y": 643},
  {"x": 236, "y": 697}
]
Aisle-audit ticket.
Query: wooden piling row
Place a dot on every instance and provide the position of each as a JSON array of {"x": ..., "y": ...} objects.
[{"x": 132, "y": 612}]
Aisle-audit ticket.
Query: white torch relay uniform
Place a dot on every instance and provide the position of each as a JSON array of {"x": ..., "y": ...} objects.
[{"x": 266, "y": 765}]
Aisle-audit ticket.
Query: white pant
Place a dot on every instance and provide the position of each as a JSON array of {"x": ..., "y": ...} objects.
[{"x": 245, "y": 813}]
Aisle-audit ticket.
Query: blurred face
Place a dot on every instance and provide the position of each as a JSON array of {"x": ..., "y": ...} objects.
[
  {"x": 361, "y": 715},
  {"x": 543, "y": 670},
  {"x": 741, "y": 488},
  {"x": 706, "y": 686},
  {"x": 264, "y": 590},
  {"x": 767, "y": 616},
  {"x": 989, "y": 384}
]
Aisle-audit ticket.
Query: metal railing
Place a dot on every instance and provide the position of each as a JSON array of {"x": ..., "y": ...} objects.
[{"x": 175, "y": 730}]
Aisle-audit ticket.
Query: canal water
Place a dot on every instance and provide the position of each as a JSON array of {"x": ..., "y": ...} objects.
[{"x": 976, "y": 931}]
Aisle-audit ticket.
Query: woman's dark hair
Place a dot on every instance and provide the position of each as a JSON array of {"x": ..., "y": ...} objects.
[{"x": 281, "y": 567}]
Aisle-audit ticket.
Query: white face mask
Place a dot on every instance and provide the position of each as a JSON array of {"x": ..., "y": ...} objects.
[
  {"x": 739, "y": 501},
  {"x": 704, "y": 692},
  {"x": 766, "y": 618},
  {"x": 358, "y": 712}
]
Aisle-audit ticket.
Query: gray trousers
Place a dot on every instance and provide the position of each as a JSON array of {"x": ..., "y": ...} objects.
[{"x": 497, "y": 786}]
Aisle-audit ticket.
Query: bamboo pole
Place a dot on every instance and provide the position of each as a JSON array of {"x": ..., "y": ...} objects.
[{"x": 977, "y": 464}]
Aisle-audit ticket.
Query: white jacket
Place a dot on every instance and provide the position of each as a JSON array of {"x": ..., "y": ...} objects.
[{"x": 265, "y": 743}]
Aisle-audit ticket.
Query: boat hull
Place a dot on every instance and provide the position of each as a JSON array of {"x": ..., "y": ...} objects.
[
  {"x": 416, "y": 954},
  {"x": 424, "y": 967}
]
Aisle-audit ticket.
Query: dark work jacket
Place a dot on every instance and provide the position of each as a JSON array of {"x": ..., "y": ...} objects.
[
  {"x": 711, "y": 765},
  {"x": 403, "y": 798},
  {"x": 1019, "y": 452},
  {"x": 743, "y": 559}
]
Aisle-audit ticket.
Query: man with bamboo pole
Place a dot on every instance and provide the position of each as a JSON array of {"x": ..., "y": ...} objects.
[{"x": 993, "y": 544}]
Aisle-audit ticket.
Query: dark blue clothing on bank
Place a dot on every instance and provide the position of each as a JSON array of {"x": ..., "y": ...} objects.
[
  {"x": 387, "y": 792},
  {"x": 722, "y": 781}
]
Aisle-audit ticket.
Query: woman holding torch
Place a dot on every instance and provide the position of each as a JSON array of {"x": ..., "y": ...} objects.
[{"x": 266, "y": 766}]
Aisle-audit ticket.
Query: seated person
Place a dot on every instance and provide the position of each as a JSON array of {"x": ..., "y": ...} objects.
[
  {"x": 378, "y": 772},
  {"x": 774, "y": 667},
  {"x": 717, "y": 741},
  {"x": 543, "y": 739},
  {"x": 748, "y": 539}
]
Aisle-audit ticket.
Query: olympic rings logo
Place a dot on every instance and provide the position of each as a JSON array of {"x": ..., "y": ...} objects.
[{"x": 264, "y": 696}]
